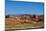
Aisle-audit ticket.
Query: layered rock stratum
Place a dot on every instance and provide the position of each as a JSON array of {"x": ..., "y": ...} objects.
[{"x": 24, "y": 21}]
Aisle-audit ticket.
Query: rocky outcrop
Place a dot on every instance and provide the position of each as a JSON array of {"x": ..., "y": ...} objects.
[
  {"x": 27, "y": 18},
  {"x": 16, "y": 21}
]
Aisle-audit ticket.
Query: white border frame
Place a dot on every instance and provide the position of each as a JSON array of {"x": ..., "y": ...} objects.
[
  {"x": 2, "y": 15},
  {"x": 29, "y": 0}
]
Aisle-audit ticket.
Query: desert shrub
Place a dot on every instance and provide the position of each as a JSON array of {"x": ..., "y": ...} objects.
[{"x": 7, "y": 16}]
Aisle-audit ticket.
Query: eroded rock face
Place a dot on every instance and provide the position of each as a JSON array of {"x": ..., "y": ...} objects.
[
  {"x": 27, "y": 18},
  {"x": 12, "y": 21}
]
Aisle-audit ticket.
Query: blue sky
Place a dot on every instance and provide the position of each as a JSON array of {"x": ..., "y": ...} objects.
[{"x": 20, "y": 7}]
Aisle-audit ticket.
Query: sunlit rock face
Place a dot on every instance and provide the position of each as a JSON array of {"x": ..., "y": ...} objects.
[
  {"x": 26, "y": 18},
  {"x": 22, "y": 20}
]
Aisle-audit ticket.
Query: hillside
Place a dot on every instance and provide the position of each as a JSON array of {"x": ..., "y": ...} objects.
[{"x": 24, "y": 21}]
